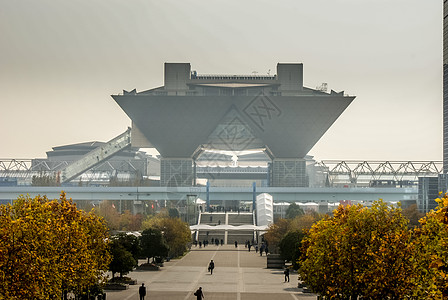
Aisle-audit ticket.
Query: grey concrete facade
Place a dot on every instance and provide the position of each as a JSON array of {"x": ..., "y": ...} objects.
[{"x": 192, "y": 113}]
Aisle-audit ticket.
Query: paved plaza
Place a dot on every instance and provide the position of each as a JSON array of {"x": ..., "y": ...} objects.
[{"x": 239, "y": 274}]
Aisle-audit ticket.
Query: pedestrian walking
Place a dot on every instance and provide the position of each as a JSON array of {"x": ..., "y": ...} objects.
[
  {"x": 199, "y": 294},
  {"x": 286, "y": 272},
  {"x": 142, "y": 291},
  {"x": 249, "y": 246},
  {"x": 211, "y": 266},
  {"x": 236, "y": 244}
]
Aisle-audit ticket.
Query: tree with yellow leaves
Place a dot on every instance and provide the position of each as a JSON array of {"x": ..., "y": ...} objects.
[
  {"x": 360, "y": 252},
  {"x": 48, "y": 246},
  {"x": 275, "y": 233},
  {"x": 177, "y": 233},
  {"x": 431, "y": 255}
]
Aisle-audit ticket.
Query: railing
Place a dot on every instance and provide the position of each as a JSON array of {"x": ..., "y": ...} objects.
[
  {"x": 381, "y": 172},
  {"x": 233, "y": 77},
  {"x": 231, "y": 170}
]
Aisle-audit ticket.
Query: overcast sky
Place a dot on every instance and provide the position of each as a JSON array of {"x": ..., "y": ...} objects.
[{"x": 61, "y": 60}]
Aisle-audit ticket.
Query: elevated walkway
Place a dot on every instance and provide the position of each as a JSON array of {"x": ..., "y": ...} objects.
[{"x": 96, "y": 156}]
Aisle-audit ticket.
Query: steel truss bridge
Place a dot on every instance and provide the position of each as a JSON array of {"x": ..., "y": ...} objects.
[
  {"x": 330, "y": 173},
  {"x": 377, "y": 173},
  {"x": 24, "y": 169}
]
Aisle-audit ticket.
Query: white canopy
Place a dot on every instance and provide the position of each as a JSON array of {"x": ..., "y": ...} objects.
[
  {"x": 200, "y": 201},
  {"x": 227, "y": 227}
]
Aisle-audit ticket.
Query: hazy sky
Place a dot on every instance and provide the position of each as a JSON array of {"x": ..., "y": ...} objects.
[{"x": 61, "y": 60}]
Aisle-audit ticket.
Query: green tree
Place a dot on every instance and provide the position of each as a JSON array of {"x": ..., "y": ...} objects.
[
  {"x": 360, "y": 252},
  {"x": 293, "y": 211},
  {"x": 173, "y": 212},
  {"x": 153, "y": 244},
  {"x": 45, "y": 180},
  {"x": 122, "y": 260},
  {"x": 289, "y": 247},
  {"x": 130, "y": 243}
]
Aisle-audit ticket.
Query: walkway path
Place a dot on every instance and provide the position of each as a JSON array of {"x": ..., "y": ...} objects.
[{"x": 238, "y": 275}]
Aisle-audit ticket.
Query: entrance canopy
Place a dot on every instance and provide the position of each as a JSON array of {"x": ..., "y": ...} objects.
[{"x": 228, "y": 227}]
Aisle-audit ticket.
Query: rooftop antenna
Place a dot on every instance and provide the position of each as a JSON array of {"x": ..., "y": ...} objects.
[{"x": 323, "y": 87}]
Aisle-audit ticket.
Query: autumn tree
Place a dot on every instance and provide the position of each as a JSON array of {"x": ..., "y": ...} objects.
[
  {"x": 109, "y": 212},
  {"x": 360, "y": 252},
  {"x": 176, "y": 232},
  {"x": 125, "y": 221},
  {"x": 413, "y": 215},
  {"x": 48, "y": 246},
  {"x": 304, "y": 222},
  {"x": 275, "y": 234},
  {"x": 431, "y": 241}
]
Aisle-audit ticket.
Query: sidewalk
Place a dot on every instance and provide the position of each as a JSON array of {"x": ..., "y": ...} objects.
[{"x": 239, "y": 274}]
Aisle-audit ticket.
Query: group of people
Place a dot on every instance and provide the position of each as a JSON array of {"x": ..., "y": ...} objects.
[
  {"x": 206, "y": 242},
  {"x": 199, "y": 293},
  {"x": 142, "y": 291},
  {"x": 263, "y": 248}
]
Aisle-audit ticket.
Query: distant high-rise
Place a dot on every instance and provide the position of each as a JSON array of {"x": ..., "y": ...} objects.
[{"x": 445, "y": 86}]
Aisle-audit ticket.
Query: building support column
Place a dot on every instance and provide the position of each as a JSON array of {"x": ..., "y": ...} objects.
[
  {"x": 176, "y": 172},
  {"x": 288, "y": 172}
]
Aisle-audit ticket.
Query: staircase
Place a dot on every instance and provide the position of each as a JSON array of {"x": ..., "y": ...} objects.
[
  {"x": 96, "y": 156},
  {"x": 228, "y": 218}
]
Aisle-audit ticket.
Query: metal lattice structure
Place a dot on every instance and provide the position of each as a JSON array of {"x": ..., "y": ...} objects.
[
  {"x": 25, "y": 169},
  {"x": 377, "y": 173},
  {"x": 332, "y": 173}
]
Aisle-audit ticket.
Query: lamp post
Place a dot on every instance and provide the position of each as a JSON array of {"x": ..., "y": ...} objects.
[{"x": 121, "y": 196}]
